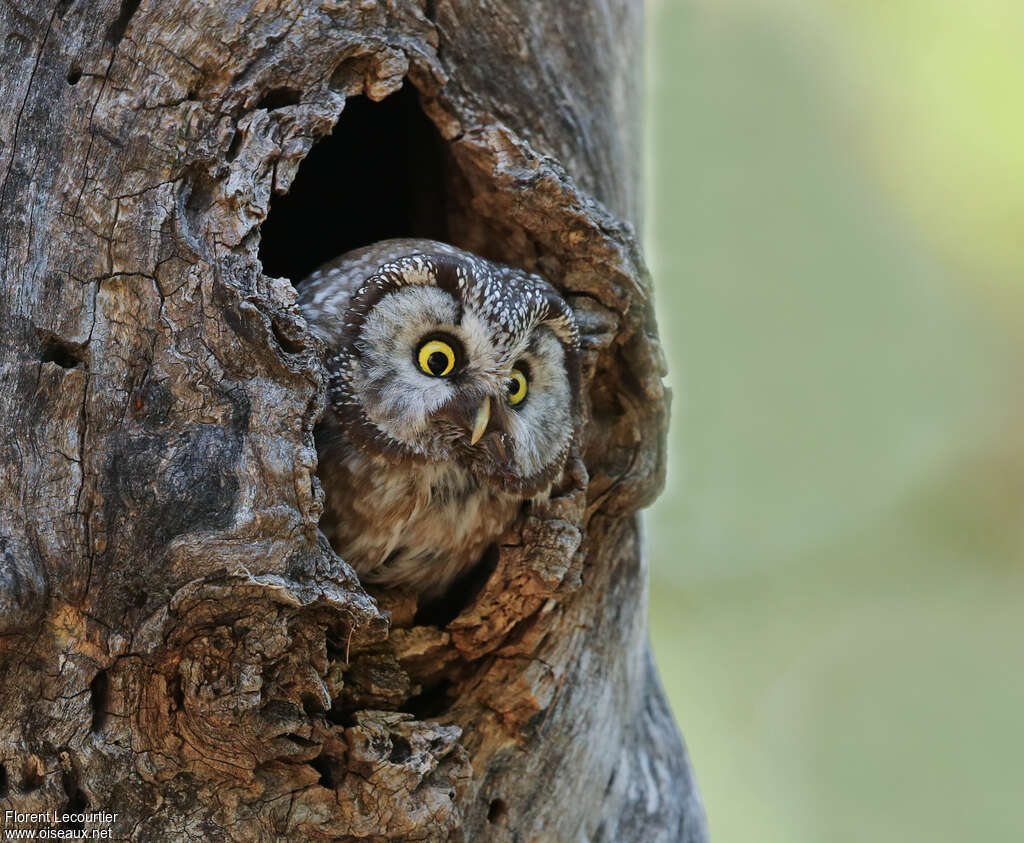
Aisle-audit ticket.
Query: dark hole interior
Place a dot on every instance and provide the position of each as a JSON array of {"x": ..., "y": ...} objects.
[
  {"x": 52, "y": 349},
  {"x": 379, "y": 174},
  {"x": 401, "y": 750},
  {"x": 496, "y": 810},
  {"x": 76, "y": 804},
  {"x": 341, "y": 714},
  {"x": 324, "y": 765},
  {"x": 311, "y": 705},
  {"x": 279, "y": 98},
  {"x": 4, "y": 786},
  {"x": 178, "y": 694},
  {"x": 286, "y": 342},
  {"x": 298, "y": 740},
  {"x": 443, "y": 610},
  {"x": 433, "y": 701},
  {"x": 99, "y": 692},
  {"x": 118, "y": 28},
  {"x": 234, "y": 147},
  {"x": 31, "y": 777}
]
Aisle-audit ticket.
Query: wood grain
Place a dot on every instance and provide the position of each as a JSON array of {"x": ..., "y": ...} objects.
[{"x": 177, "y": 642}]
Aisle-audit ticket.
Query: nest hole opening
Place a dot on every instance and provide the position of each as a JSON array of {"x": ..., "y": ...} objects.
[{"x": 379, "y": 174}]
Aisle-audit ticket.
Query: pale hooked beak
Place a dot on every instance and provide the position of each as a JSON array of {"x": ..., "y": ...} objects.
[{"x": 483, "y": 416}]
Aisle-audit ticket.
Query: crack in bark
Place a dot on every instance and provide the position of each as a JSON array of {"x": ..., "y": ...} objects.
[{"x": 213, "y": 729}]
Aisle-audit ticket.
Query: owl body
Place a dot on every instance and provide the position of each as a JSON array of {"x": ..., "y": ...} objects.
[{"x": 452, "y": 399}]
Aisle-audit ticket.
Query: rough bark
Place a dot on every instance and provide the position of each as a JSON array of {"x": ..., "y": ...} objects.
[{"x": 177, "y": 643}]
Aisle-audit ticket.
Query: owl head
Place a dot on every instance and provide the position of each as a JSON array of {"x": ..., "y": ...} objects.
[{"x": 446, "y": 357}]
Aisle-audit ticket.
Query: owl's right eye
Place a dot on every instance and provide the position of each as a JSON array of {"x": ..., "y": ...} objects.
[{"x": 436, "y": 358}]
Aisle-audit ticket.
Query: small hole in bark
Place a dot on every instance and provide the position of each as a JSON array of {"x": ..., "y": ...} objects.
[
  {"x": 497, "y": 810},
  {"x": 461, "y": 593},
  {"x": 341, "y": 715},
  {"x": 76, "y": 804},
  {"x": 401, "y": 750},
  {"x": 379, "y": 174},
  {"x": 118, "y": 28},
  {"x": 74, "y": 74},
  {"x": 4, "y": 785},
  {"x": 99, "y": 694},
  {"x": 311, "y": 704},
  {"x": 299, "y": 740},
  {"x": 350, "y": 73},
  {"x": 234, "y": 146},
  {"x": 432, "y": 701},
  {"x": 279, "y": 98},
  {"x": 324, "y": 765},
  {"x": 52, "y": 349},
  {"x": 32, "y": 775},
  {"x": 177, "y": 694},
  {"x": 337, "y": 651},
  {"x": 286, "y": 343}
]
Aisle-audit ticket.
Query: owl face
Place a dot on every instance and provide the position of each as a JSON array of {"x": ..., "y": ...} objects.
[{"x": 455, "y": 359}]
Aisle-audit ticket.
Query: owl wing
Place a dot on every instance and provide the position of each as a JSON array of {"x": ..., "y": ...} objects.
[{"x": 325, "y": 293}]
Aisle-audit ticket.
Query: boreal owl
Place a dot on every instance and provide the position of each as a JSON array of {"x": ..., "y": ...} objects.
[{"x": 452, "y": 399}]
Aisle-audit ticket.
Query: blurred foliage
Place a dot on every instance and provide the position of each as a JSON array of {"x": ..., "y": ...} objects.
[{"x": 834, "y": 221}]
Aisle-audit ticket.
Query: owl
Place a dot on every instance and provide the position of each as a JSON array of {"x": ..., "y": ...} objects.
[{"x": 452, "y": 400}]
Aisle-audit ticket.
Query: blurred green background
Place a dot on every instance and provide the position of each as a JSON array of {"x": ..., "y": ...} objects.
[{"x": 835, "y": 221}]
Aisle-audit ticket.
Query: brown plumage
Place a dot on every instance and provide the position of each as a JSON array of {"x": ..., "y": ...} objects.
[{"x": 452, "y": 399}]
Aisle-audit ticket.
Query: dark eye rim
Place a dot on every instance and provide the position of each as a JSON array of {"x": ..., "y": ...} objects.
[
  {"x": 524, "y": 368},
  {"x": 445, "y": 337}
]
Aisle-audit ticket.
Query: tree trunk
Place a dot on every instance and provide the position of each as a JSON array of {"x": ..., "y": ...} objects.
[{"x": 178, "y": 644}]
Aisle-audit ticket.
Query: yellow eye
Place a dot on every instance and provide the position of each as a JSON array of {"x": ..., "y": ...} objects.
[
  {"x": 436, "y": 358},
  {"x": 517, "y": 387}
]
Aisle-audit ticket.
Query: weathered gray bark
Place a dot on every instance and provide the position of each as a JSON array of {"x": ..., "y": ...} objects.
[{"x": 177, "y": 645}]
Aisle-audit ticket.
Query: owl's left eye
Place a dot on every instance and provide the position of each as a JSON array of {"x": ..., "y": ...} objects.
[
  {"x": 517, "y": 386},
  {"x": 436, "y": 358}
]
